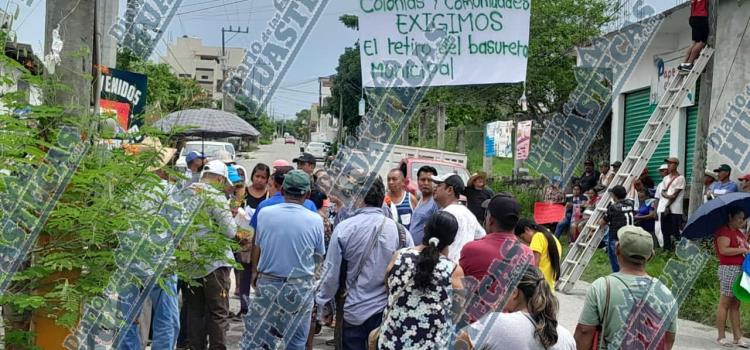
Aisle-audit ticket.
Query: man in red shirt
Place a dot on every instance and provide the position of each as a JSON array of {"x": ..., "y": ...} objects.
[
  {"x": 503, "y": 212},
  {"x": 699, "y": 24}
]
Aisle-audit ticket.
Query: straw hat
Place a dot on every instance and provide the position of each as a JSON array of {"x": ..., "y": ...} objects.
[
  {"x": 151, "y": 144},
  {"x": 475, "y": 176}
]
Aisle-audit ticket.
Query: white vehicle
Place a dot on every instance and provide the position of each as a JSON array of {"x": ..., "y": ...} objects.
[
  {"x": 317, "y": 149},
  {"x": 209, "y": 148}
]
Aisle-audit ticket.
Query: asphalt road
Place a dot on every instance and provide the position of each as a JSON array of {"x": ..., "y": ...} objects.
[
  {"x": 268, "y": 153},
  {"x": 691, "y": 335}
]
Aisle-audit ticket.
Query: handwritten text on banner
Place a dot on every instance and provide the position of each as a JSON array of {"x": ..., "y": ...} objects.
[{"x": 491, "y": 41}]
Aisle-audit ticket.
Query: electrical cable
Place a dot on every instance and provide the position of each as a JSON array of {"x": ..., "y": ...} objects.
[{"x": 211, "y": 8}]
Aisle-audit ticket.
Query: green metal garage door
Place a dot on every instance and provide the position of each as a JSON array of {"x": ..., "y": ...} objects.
[
  {"x": 637, "y": 112},
  {"x": 692, "y": 126}
]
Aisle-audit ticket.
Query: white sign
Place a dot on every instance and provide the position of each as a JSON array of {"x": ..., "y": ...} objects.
[
  {"x": 489, "y": 41},
  {"x": 664, "y": 71},
  {"x": 498, "y": 139}
]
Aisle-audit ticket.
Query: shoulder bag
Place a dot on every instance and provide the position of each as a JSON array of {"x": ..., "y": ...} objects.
[{"x": 343, "y": 290}]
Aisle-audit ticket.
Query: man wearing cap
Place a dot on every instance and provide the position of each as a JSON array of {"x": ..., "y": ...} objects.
[
  {"x": 744, "y": 183},
  {"x": 619, "y": 213},
  {"x": 614, "y": 296},
  {"x": 449, "y": 188},
  {"x": 359, "y": 252},
  {"x": 289, "y": 244},
  {"x": 709, "y": 177},
  {"x": 724, "y": 184},
  {"x": 503, "y": 212},
  {"x": 670, "y": 201},
  {"x": 207, "y": 302},
  {"x": 277, "y": 197},
  {"x": 195, "y": 161},
  {"x": 161, "y": 305},
  {"x": 590, "y": 177},
  {"x": 306, "y": 163},
  {"x": 476, "y": 193}
]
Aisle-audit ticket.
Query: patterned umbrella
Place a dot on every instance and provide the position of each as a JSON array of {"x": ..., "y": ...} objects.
[{"x": 207, "y": 123}]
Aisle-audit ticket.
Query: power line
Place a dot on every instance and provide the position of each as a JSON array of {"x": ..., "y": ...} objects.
[{"x": 211, "y": 8}]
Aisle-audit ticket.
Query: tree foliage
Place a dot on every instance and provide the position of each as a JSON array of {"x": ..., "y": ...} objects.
[
  {"x": 75, "y": 255},
  {"x": 166, "y": 91},
  {"x": 247, "y": 109}
]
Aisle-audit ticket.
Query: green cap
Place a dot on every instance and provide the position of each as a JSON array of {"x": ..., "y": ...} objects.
[
  {"x": 636, "y": 244},
  {"x": 296, "y": 182},
  {"x": 723, "y": 167}
]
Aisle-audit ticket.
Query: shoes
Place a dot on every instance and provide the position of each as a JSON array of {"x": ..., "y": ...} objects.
[{"x": 685, "y": 67}]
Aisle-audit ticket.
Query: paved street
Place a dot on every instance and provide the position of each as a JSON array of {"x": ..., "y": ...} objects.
[
  {"x": 691, "y": 335},
  {"x": 268, "y": 153}
]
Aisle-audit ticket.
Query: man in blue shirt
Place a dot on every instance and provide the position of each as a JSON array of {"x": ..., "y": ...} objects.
[
  {"x": 724, "y": 185},
  {"x": 289, "y": 244},
  {"x": 278, "y": 180},
  {"x": 364, "y": 243},
  {"x": 426, "y": 206}
]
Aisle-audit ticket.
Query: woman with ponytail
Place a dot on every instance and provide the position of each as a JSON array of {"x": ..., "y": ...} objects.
[
  {"x": 420, "y": 282},
  {"x": 547, "y": 249},
  {"x": 528, "y": 322}
]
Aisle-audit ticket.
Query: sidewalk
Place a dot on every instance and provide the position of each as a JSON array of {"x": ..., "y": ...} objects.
[{"x": 690, "y": 335}]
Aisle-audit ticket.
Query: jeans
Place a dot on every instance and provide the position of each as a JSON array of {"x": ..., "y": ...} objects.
[
  {"x": 289, "y": 318},
  {"x": 611, "y": 246},
  {"x": 562, "y": 225},
  {"x": 208, "y": 310},
  {"x": 165, "y": 319},
  {"x": 355, "y": 337}
]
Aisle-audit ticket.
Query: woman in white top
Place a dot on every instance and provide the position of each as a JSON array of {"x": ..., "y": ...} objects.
[{"x": 528, "y": 323}]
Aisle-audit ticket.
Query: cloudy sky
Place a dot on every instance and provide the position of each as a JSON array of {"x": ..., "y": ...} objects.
[{"x": 205, "y": 18}]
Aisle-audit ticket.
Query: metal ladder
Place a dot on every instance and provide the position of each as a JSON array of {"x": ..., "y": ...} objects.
[{"x": 580, "y": 253}]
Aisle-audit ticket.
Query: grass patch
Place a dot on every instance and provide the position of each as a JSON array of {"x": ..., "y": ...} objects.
[{"x": 699, "y": 306}]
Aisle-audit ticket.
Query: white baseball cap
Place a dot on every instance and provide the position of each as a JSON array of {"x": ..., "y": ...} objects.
[
  {"x": 216, "y": 167},
  {"x": 224, "y": 156}
]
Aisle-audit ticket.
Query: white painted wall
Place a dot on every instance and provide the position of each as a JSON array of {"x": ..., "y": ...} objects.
[{"x": 675, "y": 35}]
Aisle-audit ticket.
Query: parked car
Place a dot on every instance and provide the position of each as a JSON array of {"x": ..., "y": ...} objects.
[
  {"x": 317, "y": 149},
  {"x": 209, "y": 148},
  {"x": 289, "y": 140}
]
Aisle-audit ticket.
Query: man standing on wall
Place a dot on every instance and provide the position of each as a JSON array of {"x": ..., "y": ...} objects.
[{"x": 699, "y": 24}]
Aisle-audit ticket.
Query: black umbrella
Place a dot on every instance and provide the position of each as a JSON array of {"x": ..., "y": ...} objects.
[
  {"x": 711, "y": 215},
  {"x": 206, "y": 123}
]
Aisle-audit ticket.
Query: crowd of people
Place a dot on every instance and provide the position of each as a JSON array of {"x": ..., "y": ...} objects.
[
  {"x": 660, "y": 212},
  {"x": 394, "y": 264}
]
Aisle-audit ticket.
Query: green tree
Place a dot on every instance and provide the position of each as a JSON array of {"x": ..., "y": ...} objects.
[
  {"x": 247, "y": 109},
  {"x": 166, "y": 91},
  {"x": 346, "y": 89}
]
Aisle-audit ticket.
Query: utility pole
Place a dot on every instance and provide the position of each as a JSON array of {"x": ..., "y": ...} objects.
[
  {"x": 341, "y": 120},
  {"x": 76, "y": 22},
  {"x": 704, "y": 114},
  {"x": 440, "y": 126},
  {"x": 225, "y": 100}
]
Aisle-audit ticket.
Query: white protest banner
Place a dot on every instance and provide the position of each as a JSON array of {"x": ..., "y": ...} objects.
[
  {"x": 665, "y": 69},
  {"x": 523, "y": 140},
  {"x": 491, "y": 41},
  {"x": 497, "y": 140}
]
